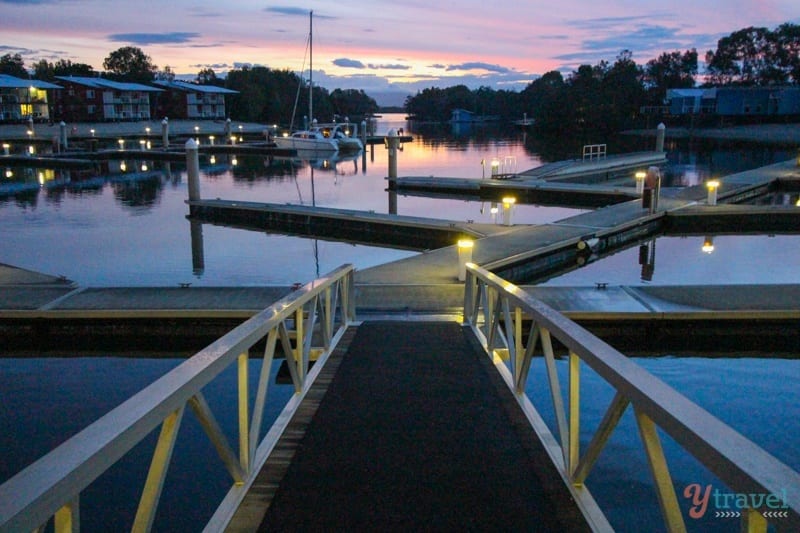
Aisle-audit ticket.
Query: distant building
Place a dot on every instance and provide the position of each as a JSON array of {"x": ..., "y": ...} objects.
[
  {"x": 87, "y": 99},
  {"x": 735, "y": 101},
  {"x": 691, "y": 101},
  {"x": 191, "y": 100},
  {"x": 22, "y": 99}
]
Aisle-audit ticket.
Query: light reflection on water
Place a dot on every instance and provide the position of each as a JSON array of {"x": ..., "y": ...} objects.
[{"x": 135, "y": 233}]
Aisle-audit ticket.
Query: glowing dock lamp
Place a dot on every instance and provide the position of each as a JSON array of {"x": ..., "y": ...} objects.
[
  {"x": 6, "y": 148},
  {"x": 143, "y": 144},
  {"x": 712, "y": 187},
  {"x": 495, "y": 167},
  {"x": 144, "y": 167},
  {"x": 233, "y": 139},
  {"x": 123, "y": 167},
  {"x": 9, "y": 173},
  {"x": 121, "y": 144},
  {"x": 708, "y": 245},
  {"x": 508, "y": 207},
  {"x": 640, "y": 176},
  {"x": 31, "y": 150},
  {"x": 213, "y": 160},
  {"x": 797, "y": 203},
  {"x": 91, "y": 131},
  {"x": 234, "y": 161},
  {"x": 30, "y": 134},
  {"x": 41, "y": 178},
  {"x": 493, "y": 210},
  {"x": 465, "y": 247},
  {"x": 147, "y": 131},
  {"x": 211, "y": 140}
]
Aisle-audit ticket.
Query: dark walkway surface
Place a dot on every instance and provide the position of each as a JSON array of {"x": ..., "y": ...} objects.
[{"x": 417, "y": 432}]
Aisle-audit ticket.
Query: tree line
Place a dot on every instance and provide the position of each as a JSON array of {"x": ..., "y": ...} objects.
[
  {"x": 608, "y": 97},
  {"x": 266, "y": 96}
]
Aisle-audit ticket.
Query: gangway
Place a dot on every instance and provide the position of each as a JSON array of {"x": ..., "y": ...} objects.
[{"x": 411, "y": 393}]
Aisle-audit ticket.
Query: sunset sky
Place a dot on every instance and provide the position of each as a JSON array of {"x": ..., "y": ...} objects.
[{"x": 380, "y": 46}]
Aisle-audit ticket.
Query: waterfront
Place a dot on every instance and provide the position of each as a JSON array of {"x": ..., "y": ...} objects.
[{"x": 135, "y": 233}]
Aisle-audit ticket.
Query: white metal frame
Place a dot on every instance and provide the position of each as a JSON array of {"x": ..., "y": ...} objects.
[
  {"x": 51, "y": 487},
  {"x": 495, "y": 310}
]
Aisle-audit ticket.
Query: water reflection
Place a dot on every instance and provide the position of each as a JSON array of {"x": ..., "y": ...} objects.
[{"x": 146, "y": 210}]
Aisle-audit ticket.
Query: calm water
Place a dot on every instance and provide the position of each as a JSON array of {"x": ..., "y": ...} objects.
[{"x": 134, "y": 232}]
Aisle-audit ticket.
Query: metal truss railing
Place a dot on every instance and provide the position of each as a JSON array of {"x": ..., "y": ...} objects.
[
  {"x": 496, "y": 309},
  {"x": 51, "y": 487}
]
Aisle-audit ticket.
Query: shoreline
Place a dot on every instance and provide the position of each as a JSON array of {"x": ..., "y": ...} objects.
[
  {"x": 776, "y": 134},
  {"x": 112, "y": 129}
]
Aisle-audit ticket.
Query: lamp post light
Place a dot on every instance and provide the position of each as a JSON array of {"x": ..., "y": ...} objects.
[
  {"x": 121, "y": 144},
  {"x": 495, "y": 167},
  {"x": 640, "y": 176},
  {"x": 142, "y": 144},
  {"x": 211, "y": 140},
  {"x": 708, "y": 244},
  {"x": 91, "y": 132},
  {"x": 508, "y": 207},
  {"x": 147, "y": 131},
  {"x": 6, "y": 148},
  {"x": 465, "y": 247},
  {"x": 712, "y": 186}
]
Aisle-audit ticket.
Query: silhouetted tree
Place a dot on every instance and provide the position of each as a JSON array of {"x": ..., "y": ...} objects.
[
  {"x": 13, "y": 65},
  {"x": 130, "y": 63},
  {"x": 670, "y": 70}
]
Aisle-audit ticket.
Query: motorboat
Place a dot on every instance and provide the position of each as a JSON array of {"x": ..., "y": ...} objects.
[{"x": 344, "y": 134}]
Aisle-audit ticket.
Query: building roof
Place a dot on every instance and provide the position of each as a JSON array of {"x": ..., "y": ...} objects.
[
  {"x": 103, "y": 83},
  {"x": 194, "y": 87},
  {"x": 12, "y": 82}
]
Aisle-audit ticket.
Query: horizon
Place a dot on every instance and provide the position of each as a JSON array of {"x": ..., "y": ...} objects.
[{"x": 370, "y": 49}]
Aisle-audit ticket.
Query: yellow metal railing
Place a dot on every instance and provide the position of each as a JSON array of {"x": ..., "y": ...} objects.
[
  {"x": 319, "y": 312},
  {"x": 496, "y": 309}
]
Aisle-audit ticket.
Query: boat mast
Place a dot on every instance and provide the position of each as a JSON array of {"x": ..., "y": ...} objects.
[{"x": 310, "y": 69}]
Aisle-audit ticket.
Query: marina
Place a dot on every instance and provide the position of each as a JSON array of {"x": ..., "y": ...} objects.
[{"x": 425, "y": 284}]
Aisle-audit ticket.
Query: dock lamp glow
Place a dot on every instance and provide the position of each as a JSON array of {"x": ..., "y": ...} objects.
[
  {"x": 508, "y": 208},
  {"x": 121, "y": 144},
  {"x": 465, "y": 247},
  {"x": 495, "y": 167},
  {"x": 708, "y": 245},
  {"x": 211, "y": 140},
  {"x": 712, "y": 187},
  {"x": 142, "y": 144},
  {"x": 6, "y": 148},
  {"x": 640, "y": 176}
]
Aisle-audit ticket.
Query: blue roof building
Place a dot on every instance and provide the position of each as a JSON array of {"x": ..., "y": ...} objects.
[
  {"x": 96, "y": 99},
  {"x": 192, "y": 100},
  {"x": 22, "y": 99}
]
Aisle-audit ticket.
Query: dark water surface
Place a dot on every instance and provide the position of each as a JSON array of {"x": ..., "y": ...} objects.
[{"x": 133, "y": 232}]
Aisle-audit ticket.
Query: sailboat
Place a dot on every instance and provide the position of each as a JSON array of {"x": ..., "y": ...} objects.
[{"x": 311, "y": 141}]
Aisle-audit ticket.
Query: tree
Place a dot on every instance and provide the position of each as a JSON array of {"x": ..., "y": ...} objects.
[
  {"x": 130, "y": 63},
  {"x": 165, "y": 75},
  {"x": 670, "y": 70},
  {"x": 45, "y": 70},
  {"x": 749, "y": 56},
  {"x": 352, "y": 104},
  {"x": 207, "y": 76},
  {"x": 13, "y": 65}
]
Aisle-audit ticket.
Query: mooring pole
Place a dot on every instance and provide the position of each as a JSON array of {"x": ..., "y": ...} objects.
[
  {"x": 193, "y": 169},
  {"x": 63, "y": 129},
  {"x": 165, "y": 132},
  {"x": 661, "y": 131}
]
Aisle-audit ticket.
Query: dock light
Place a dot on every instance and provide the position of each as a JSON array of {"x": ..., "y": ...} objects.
[
  {"x": 508, "y": 207},
  {"x": 121, "y": 144},
  {"x": 31, "y": 150},
  {"x": 212, "y": 160},
  {"x": 708, "y": 245},
  {"x": 493, "y": 209},
  {"x": 149, "y": 146},
  {"x": 142, "y": 144},
  {"x": 640, "y": 176},
  {"x": 240, "y": 127},
  {"x": 30, "y": 134},
  {"x": 712, "y": 187},
  {"x": 233, "y": 139},
  {"x": 495, "y": 167},
  {"x": 465, "y": 247},
  {"x": 41, "y": 178},
  {"x": 234, "y": 161},
  {"x": 9, "y": 173},
  {"x": 147, "y": 131},
  {"x": 797, "y": 203},
  {"x": 144, "y": 167},
  {"x": 6, "y": 148},
  {"x": 123, "y": 167},
  {"x": 211, "y": 140},
  {"x": 91, "y": 131}
]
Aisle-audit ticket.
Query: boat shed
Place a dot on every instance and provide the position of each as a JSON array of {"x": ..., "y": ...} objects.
[
  {"x": 97, "y": 99},
  {"x": 183, "y": 99},
  {"x": 691, "y": 101},
  {"x": 22, "y": 99},
  {"x": 772, "y": 100}
]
